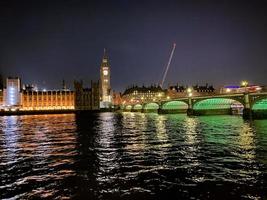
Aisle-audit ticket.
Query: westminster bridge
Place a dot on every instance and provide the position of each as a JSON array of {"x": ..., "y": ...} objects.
[{"x": 250, "y": 105}]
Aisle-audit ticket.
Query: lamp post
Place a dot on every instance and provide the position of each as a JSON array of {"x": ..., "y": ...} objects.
[
  {"x": 190, "y": 107},
  {"x": 159, "y": 96},
  {"x": 189, "y": 92},
  {"x": 244, "y": 84},
  {"x": 247, "y": 114}
]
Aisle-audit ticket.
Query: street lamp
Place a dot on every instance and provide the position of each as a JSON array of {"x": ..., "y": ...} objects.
[
  {"x": 189, "y": 92},
  {"x": 244, "y": 84},
  {"x": 190, "y": 105}
]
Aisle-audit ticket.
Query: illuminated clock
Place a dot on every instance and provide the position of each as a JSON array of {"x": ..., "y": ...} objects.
[{"x": 105, "y": 72}]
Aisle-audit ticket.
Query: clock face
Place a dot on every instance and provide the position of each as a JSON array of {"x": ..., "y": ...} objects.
[{"x": 105, "y": 72}]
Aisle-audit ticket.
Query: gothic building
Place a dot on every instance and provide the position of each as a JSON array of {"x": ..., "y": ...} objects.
[{"x": 86, "y": 98}]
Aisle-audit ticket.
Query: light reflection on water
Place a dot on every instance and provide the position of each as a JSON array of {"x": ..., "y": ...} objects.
[
  {"x": 132, "y": 155},
  {"x": 33, "y": 153}
]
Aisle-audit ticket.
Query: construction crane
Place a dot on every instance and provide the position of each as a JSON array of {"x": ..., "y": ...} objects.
[{"x": 168, "y": 65}]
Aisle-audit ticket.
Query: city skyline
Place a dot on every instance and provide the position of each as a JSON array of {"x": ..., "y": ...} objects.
[{"x": 218, "y": 43}]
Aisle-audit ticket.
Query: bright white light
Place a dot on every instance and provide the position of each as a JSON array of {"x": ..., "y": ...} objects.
[
  {"x": 12, "y": 95},
  {"x": 105, "y": 72},
  {"x": 228, "y": 90},
  {"x": 189, "y": 90}
]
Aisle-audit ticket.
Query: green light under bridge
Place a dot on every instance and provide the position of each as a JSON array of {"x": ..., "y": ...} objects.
[
  {"x": 215, "y": 103},
  {"x": 260, "y": 105},
  {"x": 175, "y": 105},
  {"x": 151, "y": 106},
  {"x": 128, "y": 107},
  {"x": 137, "y": 107}
]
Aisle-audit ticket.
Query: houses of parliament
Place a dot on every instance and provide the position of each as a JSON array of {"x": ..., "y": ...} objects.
[{"x": 17, "y": 97}]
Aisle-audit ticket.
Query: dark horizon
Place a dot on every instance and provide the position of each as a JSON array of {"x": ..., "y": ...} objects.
[{"x": 218, "y": 43}]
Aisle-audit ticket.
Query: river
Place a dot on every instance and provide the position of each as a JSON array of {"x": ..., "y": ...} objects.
[{"x": 132, "y": 156}]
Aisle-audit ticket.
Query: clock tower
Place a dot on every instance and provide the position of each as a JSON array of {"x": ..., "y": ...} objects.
[{"x": 105, "y": 89}]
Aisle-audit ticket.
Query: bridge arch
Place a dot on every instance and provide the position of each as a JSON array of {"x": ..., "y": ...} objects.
[
  {"x": 151, "y": 107},
  {"x": 216, "y": 106},
  {"x": 137, "y": 107},
  {"x": 175, "y": 106},
  {"x": 259, "y": 108},
  {"x": 128, "y": 107}
]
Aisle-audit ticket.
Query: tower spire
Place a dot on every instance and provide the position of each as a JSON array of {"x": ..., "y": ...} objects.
[
  {"x": 105, "y": 54},
  {"x": 105, "y": 59},
  {"x": 64, "y": 84}
]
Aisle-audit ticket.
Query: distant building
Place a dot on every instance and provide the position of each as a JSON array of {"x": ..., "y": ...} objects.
[
  {"x": 137, "y": 94},
  {"x": 12, "y": 92},
  {"x": 203, "y": 90},
  {"x": 86, "y": 98},
  {"x": 105, "y": 88},
  {"x": 178, "y": 91}
]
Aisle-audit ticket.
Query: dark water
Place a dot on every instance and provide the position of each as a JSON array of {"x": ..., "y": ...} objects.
[{"x": 132, "y": 156}]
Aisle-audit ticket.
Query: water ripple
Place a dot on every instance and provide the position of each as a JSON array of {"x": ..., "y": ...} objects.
[{"x": 132, "y": 155}]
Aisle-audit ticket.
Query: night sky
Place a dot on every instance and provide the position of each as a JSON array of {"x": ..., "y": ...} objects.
[{"x": 218, "y": 42}]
